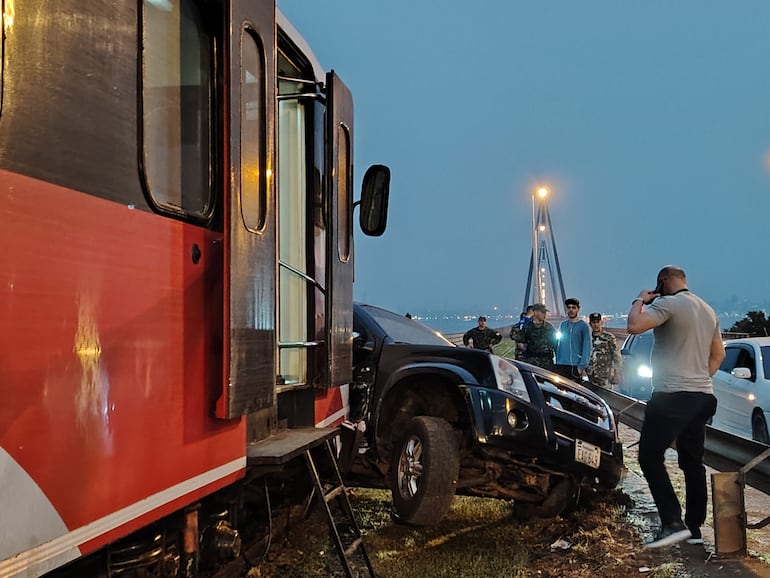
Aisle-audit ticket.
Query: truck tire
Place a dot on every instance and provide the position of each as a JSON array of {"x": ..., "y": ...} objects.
[{"x": 424, "y": 470}]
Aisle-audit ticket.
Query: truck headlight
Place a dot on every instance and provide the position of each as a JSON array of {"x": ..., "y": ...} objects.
[{"x": 509, "y": 378}]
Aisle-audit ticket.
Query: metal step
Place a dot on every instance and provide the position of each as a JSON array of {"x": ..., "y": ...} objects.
[{"x": 338, "y": 493}]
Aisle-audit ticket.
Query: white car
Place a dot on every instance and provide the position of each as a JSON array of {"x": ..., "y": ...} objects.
[{"x": 742, "y": 386}]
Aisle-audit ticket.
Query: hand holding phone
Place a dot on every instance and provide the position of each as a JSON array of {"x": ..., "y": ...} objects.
[{"x": 657, "y": 292}]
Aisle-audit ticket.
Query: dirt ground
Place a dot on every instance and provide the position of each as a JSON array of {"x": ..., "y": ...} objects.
[
  {"x": 702, "y": 561},
  {"x": 603, "y": 538}
]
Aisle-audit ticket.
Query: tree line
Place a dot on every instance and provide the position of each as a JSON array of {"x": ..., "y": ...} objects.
[{"x": 755, "y": 324}]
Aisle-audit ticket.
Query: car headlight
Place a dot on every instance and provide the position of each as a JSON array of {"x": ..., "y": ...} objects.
[
  {"x": 509, "y": 378},
  {"x": 644, "y": 370}
]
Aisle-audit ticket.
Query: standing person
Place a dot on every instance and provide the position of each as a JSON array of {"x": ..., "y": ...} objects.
[
  {"x": 606, "y": 363},
  {"x": 539, "y": 338},
  {"x": 573, "y": 350},
  {"x": 483, "y": 337},
  {"x": 516, "y": 329},
  {"x": 688, "y": 350}
]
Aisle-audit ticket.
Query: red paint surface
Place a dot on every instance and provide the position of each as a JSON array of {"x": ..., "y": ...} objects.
[
  {"x": 328, "y": 402},
  {"x": 110, "y": 350}
]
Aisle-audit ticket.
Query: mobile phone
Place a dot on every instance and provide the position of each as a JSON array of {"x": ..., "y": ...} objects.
[{"x": 658, "y": 288}]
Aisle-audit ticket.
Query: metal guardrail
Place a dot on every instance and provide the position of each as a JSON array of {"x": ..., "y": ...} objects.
[{"x": 724, "y": 451}]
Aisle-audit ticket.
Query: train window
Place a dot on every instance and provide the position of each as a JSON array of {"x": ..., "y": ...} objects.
[
  {"x": 6, "y": 14},
  {"x": 176, "y": 107},
  {"x": 253, "y": 131},
  {"x": 344, "y": 202}
]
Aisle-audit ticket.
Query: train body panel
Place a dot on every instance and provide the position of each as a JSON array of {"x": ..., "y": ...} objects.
[
  {"x": 110, "y": 394},
  {"x": 176, "y": 275}
]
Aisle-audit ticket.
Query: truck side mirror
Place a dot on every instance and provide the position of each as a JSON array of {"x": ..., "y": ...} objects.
[{"x": 375, "y": 189}]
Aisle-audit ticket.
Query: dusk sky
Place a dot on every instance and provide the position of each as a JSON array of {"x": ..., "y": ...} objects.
[{"x": 649, "y": 121}]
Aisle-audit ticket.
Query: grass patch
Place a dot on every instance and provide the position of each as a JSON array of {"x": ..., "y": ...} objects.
[
  {"x": 474, "y": 539},
  {"x": 480, "y": 538}
]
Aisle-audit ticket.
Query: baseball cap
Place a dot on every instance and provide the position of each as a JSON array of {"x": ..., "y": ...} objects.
[
  {"x": 572, "y": 301},
  {"x": 595, "y": 317},
  {"x": 539, "y": 307}
]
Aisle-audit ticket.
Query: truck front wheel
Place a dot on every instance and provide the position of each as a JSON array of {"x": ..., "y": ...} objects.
[{"x": 424, "y": 471}]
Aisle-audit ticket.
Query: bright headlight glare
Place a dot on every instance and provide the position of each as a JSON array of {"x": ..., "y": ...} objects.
[
  {"x": 644, "y": 371},
  {"x": 509, "y": 378}
]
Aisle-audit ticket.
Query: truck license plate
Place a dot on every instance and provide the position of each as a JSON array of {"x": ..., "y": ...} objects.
[{"x": 588, "y": 454}]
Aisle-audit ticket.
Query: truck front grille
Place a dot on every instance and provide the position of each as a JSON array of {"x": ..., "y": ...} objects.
[{"x": 563, "y": 398}]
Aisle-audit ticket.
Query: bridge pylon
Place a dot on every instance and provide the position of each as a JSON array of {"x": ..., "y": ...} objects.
[{"x": 545, "y": 283}]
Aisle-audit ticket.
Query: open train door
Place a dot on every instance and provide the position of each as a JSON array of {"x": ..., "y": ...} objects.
[
  {"x": 339, "y": 208},
  {"x": 250, "y": 213}
]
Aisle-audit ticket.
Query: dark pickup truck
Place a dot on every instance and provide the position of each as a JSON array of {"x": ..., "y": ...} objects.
[{"x": 429, "y": 419}]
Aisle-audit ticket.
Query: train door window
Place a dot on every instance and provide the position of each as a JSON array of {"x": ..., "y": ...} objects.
[
  {"x": 7, "y": 21},
  {"x": 253, "y": 127},
  {"x": 177, "y": 87},
  {"x": 344, "y": 201},
  {"x": 294, "y": 279}
]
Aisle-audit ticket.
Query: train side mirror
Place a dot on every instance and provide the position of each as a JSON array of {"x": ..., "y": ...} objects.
[{"x": 375, "y": 189}]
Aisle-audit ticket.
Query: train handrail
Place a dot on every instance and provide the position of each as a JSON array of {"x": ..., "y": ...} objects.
[{"x": 724, "y": 451}]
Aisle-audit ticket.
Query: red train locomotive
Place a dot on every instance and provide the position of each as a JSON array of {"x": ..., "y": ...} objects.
[{"x": 176, "y": 269}]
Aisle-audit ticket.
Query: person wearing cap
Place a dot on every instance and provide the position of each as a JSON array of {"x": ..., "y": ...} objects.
[
  {"x": 573, "y": 350},
  {"x": 482, "y": 336},
  {"x": 605, "y": 365},
  {"x": 539, "y": 338},
  {"x": 524, "y": 319}
]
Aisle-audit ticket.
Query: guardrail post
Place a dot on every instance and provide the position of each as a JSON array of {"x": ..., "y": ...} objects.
[
  {"x": 729, "y": 513},
  {"x": 729, "y": 508}
]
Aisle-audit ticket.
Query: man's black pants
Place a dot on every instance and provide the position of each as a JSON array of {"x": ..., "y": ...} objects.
[
  {"x": 681, "y": 417},
  {"x": 569, "y": 371}
]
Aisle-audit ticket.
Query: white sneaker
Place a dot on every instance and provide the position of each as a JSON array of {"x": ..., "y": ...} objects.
[
  {"x": 695, "y": 537},
  {"x": 669, "y": 535}
]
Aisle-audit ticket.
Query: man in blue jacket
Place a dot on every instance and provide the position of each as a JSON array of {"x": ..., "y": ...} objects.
[{"x": 573, "y": 349}]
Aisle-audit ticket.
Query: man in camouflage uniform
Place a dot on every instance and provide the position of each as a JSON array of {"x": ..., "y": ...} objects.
[
  {"x": 606, "y": 363},
  {"x": 483, "y": 337},
  {"x": 539, "y": 338},
  {"x": 516, "y": 331}
]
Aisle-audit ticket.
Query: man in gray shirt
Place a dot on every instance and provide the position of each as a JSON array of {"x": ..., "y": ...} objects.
[{"x": 688, "y": 351}]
